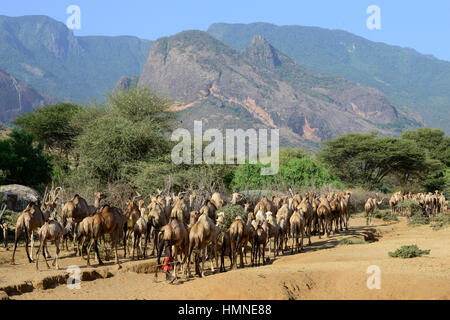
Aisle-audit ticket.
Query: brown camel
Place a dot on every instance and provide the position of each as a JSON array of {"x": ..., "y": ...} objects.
[
  {"x": 335, "y": 206},
  {"x": 133, "y": 213},
  {"x": 108, "y": 220},
  {"x": 203, "y": 233},
  {"x": 260, "y": 242},
  {"x": 139, "y": 235},
  {"x": 306, "y": 211},
  {"x": 156, "y": 220},
  {"x": 180, "y": 210},
  {"x": 175, "y": 235},
  {"x": 297, "y": 223}
]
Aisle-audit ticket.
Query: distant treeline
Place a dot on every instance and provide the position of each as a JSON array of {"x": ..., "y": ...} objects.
[{"x": 125, "y": 144}]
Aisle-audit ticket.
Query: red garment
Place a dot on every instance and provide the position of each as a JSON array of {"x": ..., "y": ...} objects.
[{"x": 167, "y": 264}]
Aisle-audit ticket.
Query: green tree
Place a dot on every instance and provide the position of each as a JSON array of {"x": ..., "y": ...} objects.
[
  {"x": 119, "y": 137},
  {"x": 22, "y": 162},
  {"x": 365, "y": 159},
  {"x": 432, "y": 140},
  {"x": 52, "y": 125}
]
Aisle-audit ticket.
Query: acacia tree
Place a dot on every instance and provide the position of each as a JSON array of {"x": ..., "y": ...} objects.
[
  {"x": 52, "y": 125},
  {"x": 126, "y": 132},
  {"x": 365, "y": 159}
]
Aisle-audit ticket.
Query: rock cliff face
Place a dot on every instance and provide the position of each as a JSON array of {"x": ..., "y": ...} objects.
[
  {"x": 17, "y": 97},
  {"x": 260, "y": 87}
]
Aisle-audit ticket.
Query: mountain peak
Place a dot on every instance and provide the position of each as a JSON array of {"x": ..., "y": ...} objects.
[{"x": 262, "y": 53}]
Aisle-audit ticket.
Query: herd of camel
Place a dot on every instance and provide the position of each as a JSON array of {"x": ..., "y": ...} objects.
[
  {"x": 430, "y": 203},
  {"x": 182, "y": 224}
]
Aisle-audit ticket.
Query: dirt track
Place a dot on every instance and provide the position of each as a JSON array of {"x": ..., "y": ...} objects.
[{"x": 326, "y": 270}]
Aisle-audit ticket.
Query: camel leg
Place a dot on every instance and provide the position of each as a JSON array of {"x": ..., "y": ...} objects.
[
  {"x": 115, "y": 244},
  {"x": 309, "y": 235},
  {"x": 32, "y": 244},
  {"x": 55, "y": 262},
  {"x": 91, "y": 243},
  {"x": 175, "y": 263},
  {"x": 202, "y": 271}
]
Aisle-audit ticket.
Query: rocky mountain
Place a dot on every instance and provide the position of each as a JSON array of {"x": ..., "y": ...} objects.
[
  {"x": 45, "y": 53},
  {"x": 411, "y": 81},
  {"x": 261, "y": 87},
  {"x": 17, "y": 97}
]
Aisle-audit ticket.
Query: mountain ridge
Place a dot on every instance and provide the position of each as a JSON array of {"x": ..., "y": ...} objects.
[{"x": 409, "y": 79}]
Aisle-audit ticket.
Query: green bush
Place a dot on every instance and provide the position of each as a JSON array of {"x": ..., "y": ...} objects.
[
  {"x": 22, "y": 161},
  {"x": 231, "y": 212},
  {"x": 441, "y": 221},
  {"x": 296, "y": 171},
  {"x": 410, "y": 251},
  {"x": 350, "y": 241},
  {"x": 418, "y": 220}
]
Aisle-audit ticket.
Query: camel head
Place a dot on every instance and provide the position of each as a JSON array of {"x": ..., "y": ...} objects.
[{"x": 99, "y": 196}]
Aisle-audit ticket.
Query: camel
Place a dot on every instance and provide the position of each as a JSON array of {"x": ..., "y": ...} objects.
[
  {"x": 236, "y": 232},
  {"x": 142, "y": 208},
  {"x": 193, "y": 217},
  {"x": 50, "y": 231},
  {"x": 335, "y": 206},
  {"x": 180, "y": 210},
  {"x": 282, "y": 222},
  {"x": 217, "y": 200},
  {"x": 133, "y": 213},
  {"x": 345, "y": 205},
  {"x": 29, "y": 220},
  {"x": 156, "y": 220},
  {"x": 297, "y": 223},
  {"x": 259, "y": 247},
  {"x": 324, "y": 217},
  {"x": 83, "y": 232},
  {"x": 393, "y": 204},
  {"x": 273, "y": 231},
  {"x": 248, "y": 235},
  {"x": 260, "y": 216},
  {"x": 237, "y": 199},
  {"x": 369, "y": 207},
  {"x": 175, "y": 235},
  {"x": 108, "y": 220},
  {"x": 210, "y": 209},
  {"x": 306, "y": 211},
  {"x": 265, "y": 205},
  {"x": 203, "y": 233},
  {"x": 4, "y": 227},
  {"x": 192, "y": 198},
  {"x": 168, "y": 205},
  {"x": 139, "y": 235}
]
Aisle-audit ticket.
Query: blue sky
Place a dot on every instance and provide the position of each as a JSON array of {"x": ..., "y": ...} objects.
[{"x": 422, "y": 25}]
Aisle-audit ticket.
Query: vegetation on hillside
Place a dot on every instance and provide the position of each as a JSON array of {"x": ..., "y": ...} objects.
[{"x": 124, "y": 146}]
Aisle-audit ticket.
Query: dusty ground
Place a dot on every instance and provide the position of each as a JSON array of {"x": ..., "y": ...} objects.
[{"x": 326, "y": 270}]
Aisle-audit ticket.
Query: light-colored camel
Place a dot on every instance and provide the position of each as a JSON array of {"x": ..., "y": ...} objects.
[
  {"x": 369, "y": 207},
  {"x": 29, "y": 220},
  {"x": 203, "y": 233},
  {"x": 139, "y": 235},
  {"x": 265, "y": 205},
  {"x": 180, "y": 210},
  {"x": 217, "y": 200},
  {"x": 4, "y": 227},
  {"x": 273, "y": 231},
  {"x": 297, "y": 223},
  {"x": 238, "y": 199},
  {"x": 50, "y": 231}
]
